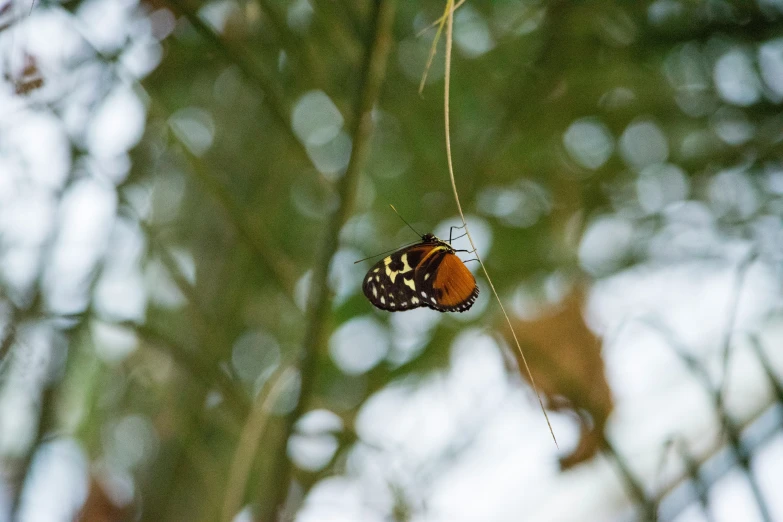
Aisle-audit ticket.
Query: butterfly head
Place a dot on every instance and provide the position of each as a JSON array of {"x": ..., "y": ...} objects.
[{"x": 432, "y": 239}]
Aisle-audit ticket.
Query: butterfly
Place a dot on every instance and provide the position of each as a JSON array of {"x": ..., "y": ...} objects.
[{"x": 428, "y": 274}]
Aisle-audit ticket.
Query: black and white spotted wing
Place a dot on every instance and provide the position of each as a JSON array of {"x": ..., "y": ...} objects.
[{"x": 425, "y": 274}]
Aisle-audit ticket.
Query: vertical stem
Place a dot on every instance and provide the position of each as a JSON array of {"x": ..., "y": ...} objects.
[
  {"x": 635, "y": 489},
  {"x": 447, "y": 124},
  {"x": 320, "y": 300},
  {"x": 247, "y": 445}
]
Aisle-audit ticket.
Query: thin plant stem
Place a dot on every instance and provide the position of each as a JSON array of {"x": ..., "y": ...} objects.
[
  {"x": 273, "y": 93},
  {"x": 731, "y": 319},
  {"x": 447, "y": 88},
  {"x": 633, "y": 486},
  {"x": 188, "y": 360},
  {"x": 252, "y": 432},
  {"x": 442, "y": 20},
  {"x": 434, "y": 47}
]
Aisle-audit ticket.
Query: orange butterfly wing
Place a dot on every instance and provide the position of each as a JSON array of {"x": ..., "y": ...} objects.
[{"x": 453, "y": 288}]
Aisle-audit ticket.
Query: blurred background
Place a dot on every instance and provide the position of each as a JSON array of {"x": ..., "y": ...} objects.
[{"x": 184, "y": 189}]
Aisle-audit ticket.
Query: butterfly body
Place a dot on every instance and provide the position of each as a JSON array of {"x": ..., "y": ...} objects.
[{"x": 427, "y": 274}]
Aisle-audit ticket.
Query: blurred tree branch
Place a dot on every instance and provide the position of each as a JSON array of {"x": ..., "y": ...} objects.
[
  {"x": 247, "y": 446},
  {"x": 209, "y": 374},
  {"x": 279, "y": 26},
  {"x": 256, "y": 237},
  {"x": 320, "y": 299},
  {"x": 349, "y": 11},
  {"x": 8, "y": 334},
  {"x": 273, "y": 95}
]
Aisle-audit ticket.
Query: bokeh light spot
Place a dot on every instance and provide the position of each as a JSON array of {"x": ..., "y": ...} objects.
[
  {"x": 659, "y": 185},
  {"x": 195, "y": 128},
  {"x": 736, "y": 79},
  {"x": 358, "y": 345},
  {"x": 643, "y": 143},
  {"x": 316, "y": 119},
  {"x": 589, "y": 143},
  {"x": 254, "y": 355},
  {"x": 471, "y": 32}
]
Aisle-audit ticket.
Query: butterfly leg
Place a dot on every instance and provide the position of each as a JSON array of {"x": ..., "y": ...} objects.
[
  {"x": 459, "y": 236},
  {"x": 452, "y": 229},
  {"x": 469, "y": 252}
]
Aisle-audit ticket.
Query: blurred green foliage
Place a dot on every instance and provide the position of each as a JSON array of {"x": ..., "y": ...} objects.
[{"x": 564, "y": 113}]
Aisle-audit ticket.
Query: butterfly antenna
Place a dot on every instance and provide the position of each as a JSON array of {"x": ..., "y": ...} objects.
[
  {"x": 382, "y": 253},
  {"x": 403, "y": 220}
]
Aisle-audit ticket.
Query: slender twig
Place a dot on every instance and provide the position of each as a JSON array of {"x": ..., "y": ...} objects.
[
  {"x": 320, "y": 300},
  {"x": 633, "y": 485},
  {"x": 354, "y": 19},
  {"x": 273, "y": 95},
  {"x": 731, "y": 428},
  {"x": 199, "y": 368},
  {"x": 256, "y": 237},
  {"x": 731, "y": 319},
  {"x": 777, "y": 387},
  {"x": 206, "y": 323},
  {"x": 434, "y": 47},
  {"x": 447, "y": 87},
  {"x": 279, "y": 25},
  {"x": 440, "y": 21},
  {"x": 9, "y": 335},
  {"x": 252, "y": 432},
  {"x": 692, "y": 471},
  {"x": 716, "y": 461},
  {"x": 175, "y": 271}
]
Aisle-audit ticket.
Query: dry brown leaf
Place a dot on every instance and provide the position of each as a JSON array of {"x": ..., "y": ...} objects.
[{"x": 565, "y": 358}]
